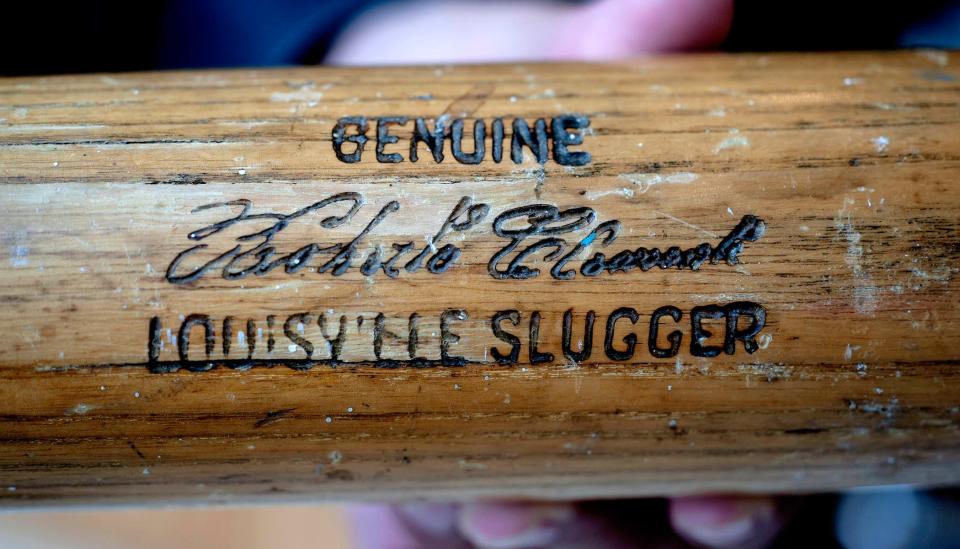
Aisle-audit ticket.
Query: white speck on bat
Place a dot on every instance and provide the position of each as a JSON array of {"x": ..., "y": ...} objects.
[
  {"x": 865, "y": 299},
  {"x": 647, "y": 180},
  {"x": 303, "y": 96},
  {"x": 736, "y": 141},
  {"x": 545, "y": 94},
  {"x": 880, "y": 143},
  {"x": 472, "y": 466},
  {"x": 625, "y": 192},
  {"x": 81, "y": 409},
  {"x": 848, "y": 352},
  {"x": 941, "y": 58},
  {"x": 19, "y": 256}
]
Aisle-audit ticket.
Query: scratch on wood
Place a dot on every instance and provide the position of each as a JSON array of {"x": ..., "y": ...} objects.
[
  {"x": 470, "y": 102},
  {"x": 272, "y": 417}
]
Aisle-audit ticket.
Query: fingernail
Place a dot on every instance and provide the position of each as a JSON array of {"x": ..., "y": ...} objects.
[
  {"x": 722, "y": 522},
  {"x": 510, "y": 525}
]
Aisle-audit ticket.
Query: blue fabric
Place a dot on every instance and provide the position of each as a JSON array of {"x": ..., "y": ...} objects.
[
  {"x": 119, "y": 35},
  {"x": 223, "y": 33},
  {"x": 941, "y": 30}
]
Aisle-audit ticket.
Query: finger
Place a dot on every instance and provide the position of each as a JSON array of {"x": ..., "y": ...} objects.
[
  {"x": 376, "y": 526},
  {"x": 448, "y": 32},
  {"x": 612, "y": 29},
  {"x": 725, "y": 522},
  {"x": 489, "y": 32},
  {"x": 432, "y": 521},
  {"x": 514, "y": 525}
]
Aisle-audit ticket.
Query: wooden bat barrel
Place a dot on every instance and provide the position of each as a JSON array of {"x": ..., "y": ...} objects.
[{"x": 678, "y": 274}]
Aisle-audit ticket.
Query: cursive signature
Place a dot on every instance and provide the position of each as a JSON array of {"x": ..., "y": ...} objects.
[
  {"x": 542, "y": 223},
  {"x": 532, "y": 230},
  {"x": 255, "y": 253}
]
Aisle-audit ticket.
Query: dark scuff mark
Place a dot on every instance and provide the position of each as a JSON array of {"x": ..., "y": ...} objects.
[
  {"x": 272, "y": 416},
  {"x": 339, "y": 474},
  {"x": 804, "y": 431},
  {"x": 180, "y": 179},
  {"x": 133, "y": 447}
]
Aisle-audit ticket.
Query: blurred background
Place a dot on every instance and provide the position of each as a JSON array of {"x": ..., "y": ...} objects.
[{"x": 114, "y": 35}]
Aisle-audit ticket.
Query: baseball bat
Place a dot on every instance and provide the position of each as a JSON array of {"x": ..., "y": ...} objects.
[{"x": 677, "y": 274}]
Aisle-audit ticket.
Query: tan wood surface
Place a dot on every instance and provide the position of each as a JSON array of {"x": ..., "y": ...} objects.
[{"x": 849, "y": 162}]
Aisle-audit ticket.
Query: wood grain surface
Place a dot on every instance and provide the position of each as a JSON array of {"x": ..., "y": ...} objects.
[{"x": 838, "y": 170}]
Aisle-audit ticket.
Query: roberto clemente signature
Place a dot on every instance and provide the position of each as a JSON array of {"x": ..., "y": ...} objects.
[{"x": 557, "y": 236}]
